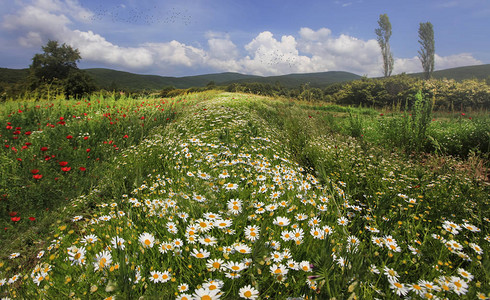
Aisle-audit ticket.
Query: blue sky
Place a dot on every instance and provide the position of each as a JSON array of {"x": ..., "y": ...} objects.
[{"x": 268, "y": 37}]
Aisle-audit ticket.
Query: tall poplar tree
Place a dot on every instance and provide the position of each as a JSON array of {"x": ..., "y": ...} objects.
[
  {"x": 427, "y": 50},
  {"x": 384, "y": 34}
]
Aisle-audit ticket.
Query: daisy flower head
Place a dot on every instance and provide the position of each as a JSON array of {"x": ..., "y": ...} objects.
[
  {"x": 399, "y": 288},
  {"x": 102, "y": 260},
  {"x": 118, "y": 243},
  {"x": 465, "y": 274},
  {"x": 391, "y": 274},
  {"x": 343, "y": 221},
  {"x": 252, "y": 232},
  {"x": 460, "y": 286},
  {"x": 14, "y": 255},
  {"x": 201, "y": 253},
  {"x": 305, "y": 266},
  {"x": 281, "y": 221},
  {"x": 248, "y": 292},
  {"x": 184, "y": 297},
  {"x": 215, "y": 264},
  {"x": 213, "y": 284},
  {"x": 183, "y": 287},
  {"x": 147, "y": 240},
  {"x": 244, "y": 249}
]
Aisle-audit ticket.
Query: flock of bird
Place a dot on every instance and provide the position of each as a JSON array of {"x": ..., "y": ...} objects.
[
  {"x": 146, "y": 16},
  {"x": 275, "y": 57},
  {"x": 156, "y": 16}
]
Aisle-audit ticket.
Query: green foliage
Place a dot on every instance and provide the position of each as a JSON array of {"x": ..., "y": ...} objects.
[
  {"x": 427, "y": 50},
  {"x": 57, "y": 67},
  {"x": 383, "y": 34}
]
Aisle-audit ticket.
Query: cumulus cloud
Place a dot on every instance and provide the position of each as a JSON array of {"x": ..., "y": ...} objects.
[{"x": 309, "y": 51}]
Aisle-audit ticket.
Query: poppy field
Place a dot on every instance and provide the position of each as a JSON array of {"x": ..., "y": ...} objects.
[{"x": 227, "y": 196}]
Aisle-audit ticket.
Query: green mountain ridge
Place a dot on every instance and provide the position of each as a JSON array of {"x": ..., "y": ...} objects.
[{"x": 114, "y": 79}]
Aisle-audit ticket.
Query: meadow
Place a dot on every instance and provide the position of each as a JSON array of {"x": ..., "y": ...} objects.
[{"x": 219, "y": 195}]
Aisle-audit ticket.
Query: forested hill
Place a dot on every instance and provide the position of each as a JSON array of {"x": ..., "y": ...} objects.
[{"x": 113, "y": 79}]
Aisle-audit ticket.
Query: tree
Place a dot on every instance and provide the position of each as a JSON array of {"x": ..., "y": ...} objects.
[
  {"x": 384, "y": 34},
  {"x": 58, "y": 64},
  {"x": 427, "y": 51}
]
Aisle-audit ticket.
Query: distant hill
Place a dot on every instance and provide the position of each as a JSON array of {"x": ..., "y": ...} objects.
[
  {"x": 460, "y": 73},
  {"x": 112, "y": 79}
]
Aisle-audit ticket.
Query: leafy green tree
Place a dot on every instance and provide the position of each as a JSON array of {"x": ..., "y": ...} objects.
[
  {"x": 384, "y": 34},
  {"x": 58, "y": 66},
  {"x": 56, "y": 62},
  {"x": 427, "y": 50}
]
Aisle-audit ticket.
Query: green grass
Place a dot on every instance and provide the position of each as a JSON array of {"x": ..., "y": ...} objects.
[{"x": 237, "y": 193}]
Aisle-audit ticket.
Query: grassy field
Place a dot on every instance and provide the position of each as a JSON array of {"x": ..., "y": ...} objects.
[{"x": 225, "y": 195}]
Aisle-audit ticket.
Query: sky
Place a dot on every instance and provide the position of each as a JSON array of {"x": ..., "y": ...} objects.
[{"x": 259, "y": 37}]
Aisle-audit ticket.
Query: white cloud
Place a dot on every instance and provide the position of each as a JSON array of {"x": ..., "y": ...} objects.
[{"x": 309, "y": 51}]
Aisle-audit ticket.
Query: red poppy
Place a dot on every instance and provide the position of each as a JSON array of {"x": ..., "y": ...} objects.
[
  {"x": 44, "y": 148},
  {"x": 34, "y": 171},
  {"x": 88, "y": 150},
  {"x": 27, "y": 133},
  {"x": 125, "y": 136},
  {"x": 63, "y": 163},
  {"x": 32, "y": 218},
  {"x": 9, "y": 127},
  {"x": 85, "y": 138},
  {"x": 463, "y": 114},
  {"x": 66, "y": 169},
  {"x": 15, "y": 219},
  {"x": 69, "y": 137},
  {"x": 82, "y": 169},
  {"x": 12, "y": 213},
  {"x": 381, "y": 114},
  {"x": 37, "y": 176}
]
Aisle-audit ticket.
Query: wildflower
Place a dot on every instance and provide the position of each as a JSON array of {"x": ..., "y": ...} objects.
[
  {"x": 252, "y": 232},
  {"x": 476, "y": 248},
  {"x": 147, "y": 240},
  {"x": 305, "y": 266},
  {"x": 183, "y": 287},
  {"x": 281, "y": 221},
  {"x": 399, "y": 288},
  {"x": 13, "y": 279},
  {"x": 278, "y": 269},
  {"x": 465, "y": 274},
  {"x": 235, "y": 266},
  {"x": 373, "y": 269},
  {"x": 231, "y": 186},
  {"x": 102, "y": 260},
  {"x": 277, "y": 256},
  {"x": 248, "y": 292},
  {"x": 184, "y": 297},
  {"x": 208, "y": 240},
  {"x": 40, "y": 254},
  {"x": 244, "y": 249},
  {"x": 155, "y": 276},
  {"x": 428, "y": 285},
  {"x": 206, "y": 294},
  {"x": 118, "y": 242},
  {"x": 165, "y": 276},
  {"x": 417, "y": 289},
  {"x": 391, "y": 274},
  {"x": 77, "y": 218},
  {"x": 14, "y": 255},
  {"x": 89, "y": 239},
  {"x": 460, "y": 286},
  {"x": 223, "y": 223},
  {"x": 201, "y": 253},
  {"x": 215, "y": 265},
  {"x": 39, "y": 277},
  {"x": 342, "y": 221},
  {"x": 76, "y": 255},
  {"x": 327, "y": 230},
  {"x": 471, "y": 228}
]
